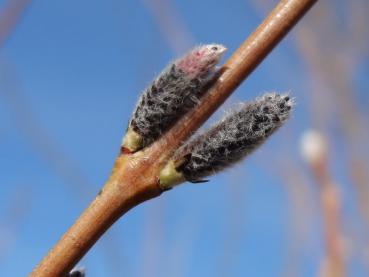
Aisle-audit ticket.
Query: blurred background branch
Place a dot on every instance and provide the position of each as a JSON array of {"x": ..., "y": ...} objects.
[
  {"x": 170, "y": 24},
  {"x": 10, "y": 14},
  {"x": 314, "y": 150}
]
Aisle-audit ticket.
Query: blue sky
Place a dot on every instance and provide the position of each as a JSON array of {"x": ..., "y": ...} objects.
[{"x": 70, "y": 75}]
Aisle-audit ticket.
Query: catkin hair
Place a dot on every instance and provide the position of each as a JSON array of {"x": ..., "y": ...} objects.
[
  {"x": 175, "y": 91},
  {"x": 234, "y": 137}
]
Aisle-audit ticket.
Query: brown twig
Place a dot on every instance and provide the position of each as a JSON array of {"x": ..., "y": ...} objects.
[{"x": 134, "y": 177}]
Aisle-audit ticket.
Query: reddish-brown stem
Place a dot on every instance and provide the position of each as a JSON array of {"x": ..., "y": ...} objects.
[{"x": 134, "y": 177}]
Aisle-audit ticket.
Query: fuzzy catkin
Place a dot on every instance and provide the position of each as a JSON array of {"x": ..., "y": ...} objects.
[
  {"x": 174, "y": 92},
  {"x": 234, "y": 137}
]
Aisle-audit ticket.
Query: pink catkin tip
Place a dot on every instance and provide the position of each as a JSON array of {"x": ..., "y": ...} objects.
[{"x": 201, "y": 60}]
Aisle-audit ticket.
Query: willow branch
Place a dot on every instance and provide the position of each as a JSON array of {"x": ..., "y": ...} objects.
[{"x": 134, "y": 176}]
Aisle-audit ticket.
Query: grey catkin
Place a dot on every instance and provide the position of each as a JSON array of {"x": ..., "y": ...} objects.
[
  {"x": 174, "y": 91},
  {"x": 234, "y": 137}
]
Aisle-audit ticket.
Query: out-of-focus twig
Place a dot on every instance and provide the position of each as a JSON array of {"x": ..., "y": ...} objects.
[
  {"x": 23, "y": 115},
  {"x": 170, "y": 24},
  {"x": 314, "y": 152},
  {"x": 40, "y": 140},
  {"x": 19, "y": 204},
  {"x": 335, "y": 93},
  {"x": 9, "y": 17}
]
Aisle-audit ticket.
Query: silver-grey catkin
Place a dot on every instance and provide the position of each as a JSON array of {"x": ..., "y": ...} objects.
[
  {"x": 234, "y": 137},
  {"x": 174, "y": 91}
]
